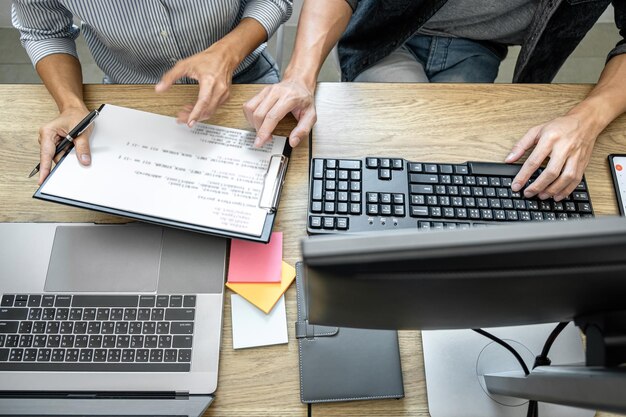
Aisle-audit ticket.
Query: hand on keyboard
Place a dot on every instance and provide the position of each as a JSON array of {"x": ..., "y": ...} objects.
[
  {"x": 568, "y": 142},
  {"x": 391, "y": 193}
]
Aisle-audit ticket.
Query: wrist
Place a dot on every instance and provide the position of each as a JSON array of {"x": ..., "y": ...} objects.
[
  {"x": 302, "y": 76},
  {"x": 226, "y": 54},
  {"x": 592, "y": 115},
  {"x": 72, "y": 105}
]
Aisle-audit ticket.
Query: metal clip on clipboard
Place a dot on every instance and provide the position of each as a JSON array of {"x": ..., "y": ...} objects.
[{"x": 273, "y": 182}]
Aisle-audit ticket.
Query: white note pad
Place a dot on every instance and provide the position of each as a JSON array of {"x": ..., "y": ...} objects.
[
  {"x": 252, "y": 327},
  {"x": 208, "y": 176}
]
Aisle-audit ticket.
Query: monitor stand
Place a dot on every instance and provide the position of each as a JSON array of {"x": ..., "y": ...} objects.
[{"x": 456, "y": 360}]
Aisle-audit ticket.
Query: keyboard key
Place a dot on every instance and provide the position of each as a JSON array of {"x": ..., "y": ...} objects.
[
  {"x": 121, "y": 327},
  {"x": 347, "y": 164},
  {"x": 63, "y": 301},
  {"x": 342, "y": 208},
  {"x": 20, "y": 300},
  {"x": 384, "y": 174},
  {"x": 189, "y": 301},
  {"x": 422, "y": 189},
  {"x": 57, "y": 355},
  {"x": 184, "y": 355},
  {"x": 143, "y": 314},
  {"x": 130, "y": 314},
  {"x": 385, "y": 210},
  {"x": 398, "y": 211},
  {"x": 95, "y": 341},
  {"x": 344, "y": 175},
  {"x": 108, "y": 327},
  {"x": 142, "y": 355},
  {"x": 62, "y": 314},
  {"x": 424, "y": 179},
  {"x": 355, "y": 175},
  {"x": 355, "y": 186},
  {"x": 343, "y": 185},
  {"x": 329, "y": 207},
  {"x": 67, "y": 341},
  {"x": 179, "y": 314},
  {"x": 385, "y": 198},
  {"x": 34, "y": 300},
  {"x": 331, "y": 163},
  {"x": 151, "y": 341},
  {"x": 432, "y": 200},
  {"x": 163, "y": 327},
  {"x": 157, "y": 314},
  {"x": 30, "y": 355},
  {"x": 7, "y": 301},
  {"x": 149, "y": 327},
  {"x": 40, "y": 340},
  {"x": 460, "y": 169},
  {"x": 342, "y": 223},
  {"x": 317, "y": 190},
  {"x": 76, "y": 314},
  {"x": 417, "y": 200},
  {"x": 53, "y": 327},
  {"x": 165, "y": 342},
  {"x": 148, "y": 300},
  {"x": 103, "y": 314},
  {"x": 315, "y": 222},
  {"x": 416, "y": 167},
  {"x": 580, "y": 196},
  {"x": 419, "y": 211},
  {"x": 328, "y": 223},
  {"x": 398, "y": 198},
  {"x": 431, "y": 168},
  {"x": 128, "y": 355},
  {"x": 38, "y": 327},
  {"x": 584, "y": 207},
  {"x": 423, "y": 225},
  {"x": 371, "y": 162},
  {"x": 355, "y": 208},
  {"x": 81, "y": 341},
  {"x": 372, "y": 197},
  {"x": 182, "y": 327},
  {"x": 26, "y": 340},
  {"x": 397, "y": 164},
  {"x": 162, "y": 300},
  {"x": 13, "y": 313},
  {"x": 435, "y": 211},
  {"x": 43, "y": 355},
  {"x": 100, "y": 355},
  {"x": 331, "y": 174},
  {"x": 71, "y": 355},
  {"x": 47, "y": 301},
  {"x": 80, "y": 327},
  {"x": 136, "y": 341},
  {"x": 25, "y": 327},
  {"x": 385, "y": 163},
  {"x": 176, "y": 301},
  {"x": 114, "y": 355},
  {"x": 67, "y": 327},
  {"x": 182, "y": 341},
  {"x": 372, "y": 209},
  {"x": 318, "y": 168},
  {"x": 117, "y": 313}
]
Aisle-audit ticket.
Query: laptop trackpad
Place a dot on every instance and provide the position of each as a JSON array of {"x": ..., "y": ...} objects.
[{"x": 104, "y": 259}]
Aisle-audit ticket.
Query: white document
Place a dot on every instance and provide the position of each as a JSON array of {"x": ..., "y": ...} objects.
[
  {"x": 252, "y": 327},
  {"x": 145, "y": 163}
]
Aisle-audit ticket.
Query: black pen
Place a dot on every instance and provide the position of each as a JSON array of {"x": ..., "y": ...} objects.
[{"x": 74, "y": 133}]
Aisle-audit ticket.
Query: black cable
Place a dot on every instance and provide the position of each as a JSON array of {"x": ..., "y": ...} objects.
[
  {"x": 309, "y": 410},
  {"x": 543, "y": 360},
  {"x": 506, "y": 346}
]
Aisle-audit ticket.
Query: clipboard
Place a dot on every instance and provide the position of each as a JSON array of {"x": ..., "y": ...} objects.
[{"x": 273, "y": 182}]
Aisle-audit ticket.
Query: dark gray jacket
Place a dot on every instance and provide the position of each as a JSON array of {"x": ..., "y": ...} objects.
[{"x": 378, "y": 27}]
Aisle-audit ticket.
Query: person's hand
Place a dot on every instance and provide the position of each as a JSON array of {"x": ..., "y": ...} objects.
[
  {"x": 213, "y": 69},
  {"x": 568, "y": 141},
  {"x": 265, "y": 110},
  {"x": 52, "y": 133}
]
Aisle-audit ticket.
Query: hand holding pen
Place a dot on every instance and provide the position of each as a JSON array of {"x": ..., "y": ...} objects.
[{"x": 56, "y": 142}]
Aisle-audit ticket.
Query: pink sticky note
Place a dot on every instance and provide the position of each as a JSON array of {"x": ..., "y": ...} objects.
[{"x": 256, "y": 262}]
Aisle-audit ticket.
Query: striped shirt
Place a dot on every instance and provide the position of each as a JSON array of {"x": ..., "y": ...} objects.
[{"x": 136, "y": 42}]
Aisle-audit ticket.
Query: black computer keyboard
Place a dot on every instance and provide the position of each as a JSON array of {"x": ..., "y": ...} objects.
[
  {"x": 369, "y": 194},
  {"x": 96, "y": 332}
]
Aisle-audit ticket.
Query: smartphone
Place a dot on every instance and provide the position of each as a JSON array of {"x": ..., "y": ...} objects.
[{"x": 618, "y": 172}]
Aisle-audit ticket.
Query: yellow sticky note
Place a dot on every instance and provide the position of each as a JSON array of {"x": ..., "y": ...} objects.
[{"x": 265, "y": 295}]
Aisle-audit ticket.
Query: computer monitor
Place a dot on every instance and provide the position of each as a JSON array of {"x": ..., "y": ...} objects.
[{"x": 498, "y": 276}]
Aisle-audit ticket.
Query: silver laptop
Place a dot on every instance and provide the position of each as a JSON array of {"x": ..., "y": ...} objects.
[{"x": 108, "y": 319}]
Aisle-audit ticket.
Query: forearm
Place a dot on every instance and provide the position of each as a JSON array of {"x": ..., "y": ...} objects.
[
  {"x": 62, "y": 76},
  {"x": 240, "y": 42},
  {"x": 320, "y": 26},
  {"x": 608, "y": 98}
]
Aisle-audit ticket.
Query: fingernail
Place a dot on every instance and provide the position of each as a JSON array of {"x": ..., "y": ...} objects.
[
  {"x": 508, "y": 158},
  {"x": 85, "y": 159},
  {"x": 191, "y": 123},
  {"x": 558, "y": 198},
  {"x": 295, "y": 141},
  {"x": 516, "y": 186},
  {"x": 528, "y": 194},
  {"x": 544, "y": 196},
  {"x": 257, "y": 142},
  {"x": 158, "y": 86}
]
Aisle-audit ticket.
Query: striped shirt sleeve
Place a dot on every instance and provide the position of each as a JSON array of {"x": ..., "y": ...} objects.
[
  {"x": 269, "y": 13},
  {"x": 46, "y": 28}
]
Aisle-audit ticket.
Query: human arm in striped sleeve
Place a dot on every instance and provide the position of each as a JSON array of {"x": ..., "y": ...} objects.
[
  {"x": 47, "y": 33},
  {"x": 214, "y": 67}
]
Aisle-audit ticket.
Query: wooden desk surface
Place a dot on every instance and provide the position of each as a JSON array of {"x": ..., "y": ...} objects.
[{"x": 439, "y": 123}]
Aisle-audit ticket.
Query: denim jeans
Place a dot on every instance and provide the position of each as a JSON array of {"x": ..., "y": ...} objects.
[
  {"x": 436, "y": 59},
  {"x": 263, "y": 71}
]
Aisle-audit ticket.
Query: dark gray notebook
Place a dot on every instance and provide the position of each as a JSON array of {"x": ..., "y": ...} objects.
[{"x": 344, "y": 364}]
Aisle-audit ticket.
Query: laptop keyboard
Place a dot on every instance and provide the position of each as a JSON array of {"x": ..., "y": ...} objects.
[
  {"x": 369, "y": 194},
  {"x": 107, "y": 333}
]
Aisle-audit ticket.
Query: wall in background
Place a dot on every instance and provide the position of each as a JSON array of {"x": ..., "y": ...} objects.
[{"x": 5, "y": 13}]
